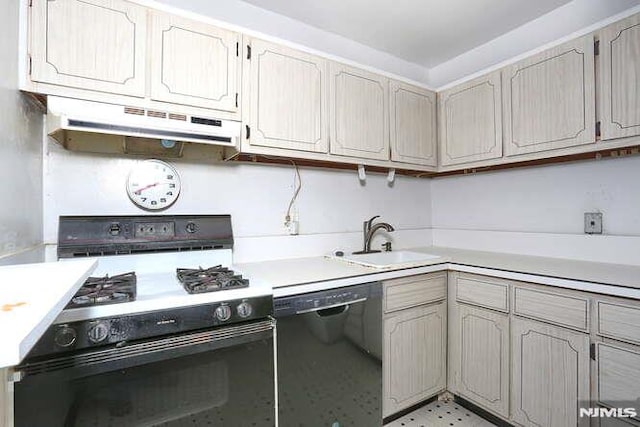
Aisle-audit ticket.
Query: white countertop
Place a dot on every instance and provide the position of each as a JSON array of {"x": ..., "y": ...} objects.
[
  {"x": 299, "y": 275},
  {"x": 31, "y": 296}
]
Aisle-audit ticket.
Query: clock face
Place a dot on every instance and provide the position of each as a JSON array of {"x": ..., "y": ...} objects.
[{"x": 153, "y": 185}]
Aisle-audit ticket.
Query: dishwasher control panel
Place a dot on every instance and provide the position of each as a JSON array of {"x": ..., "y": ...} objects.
[{"x": 303, "y": 303}]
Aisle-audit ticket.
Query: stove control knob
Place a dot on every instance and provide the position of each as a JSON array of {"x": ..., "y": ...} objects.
[
  {"x": 244, "y": 310},
  {"x": 191, "y": 227},
  {"x": 98, "y": 332},
  {"x": 65, "y": 336},
  {"x": 115, "y": 229},
  {"x": 223, "y": 313}
]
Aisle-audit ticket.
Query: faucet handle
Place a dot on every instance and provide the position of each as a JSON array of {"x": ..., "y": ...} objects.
[{"x": 370, "y": 222}]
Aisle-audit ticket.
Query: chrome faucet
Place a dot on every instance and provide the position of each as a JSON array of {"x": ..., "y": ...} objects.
[{"x": 369, "y": 229}]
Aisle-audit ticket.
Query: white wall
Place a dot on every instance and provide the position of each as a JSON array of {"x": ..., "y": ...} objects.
[
  {"x": 257, "y": 196},
  {"x": 548, "y": 199},
  {"x": 20, "y": 148}
]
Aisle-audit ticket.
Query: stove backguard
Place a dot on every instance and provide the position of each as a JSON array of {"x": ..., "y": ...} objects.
[{"x": 82, "y": 236}]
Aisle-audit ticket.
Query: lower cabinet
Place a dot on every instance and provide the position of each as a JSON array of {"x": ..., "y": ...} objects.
[
  {"x": 414, "y": 356},
  {"x": 483, "y": 365},
  {"x": 550, "y": 368}
]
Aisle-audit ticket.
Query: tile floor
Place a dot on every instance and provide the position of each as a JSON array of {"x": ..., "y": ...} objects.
[{"x": 441, "y": 414}]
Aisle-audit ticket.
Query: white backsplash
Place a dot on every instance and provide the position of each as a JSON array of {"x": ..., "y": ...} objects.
[{"x": 330, "y": 208}]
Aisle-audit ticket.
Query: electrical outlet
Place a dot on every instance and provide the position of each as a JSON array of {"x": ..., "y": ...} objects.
[{"x": 593, "y": 223}]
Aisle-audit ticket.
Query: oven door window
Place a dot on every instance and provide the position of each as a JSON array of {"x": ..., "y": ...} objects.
[{"x": 229, "y": 386}]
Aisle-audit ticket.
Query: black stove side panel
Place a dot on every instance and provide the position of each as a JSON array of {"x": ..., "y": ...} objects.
[{"x": 81, "y": 236}]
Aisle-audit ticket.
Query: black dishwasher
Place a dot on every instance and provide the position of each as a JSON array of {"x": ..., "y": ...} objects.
[{"x": 330, "y": 357}]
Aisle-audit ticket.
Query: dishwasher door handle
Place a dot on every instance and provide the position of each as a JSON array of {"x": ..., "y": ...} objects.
[{"x": 324, "y": 307}]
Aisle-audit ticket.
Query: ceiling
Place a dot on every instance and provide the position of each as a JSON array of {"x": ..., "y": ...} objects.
[{"x": 425, "y": 32}]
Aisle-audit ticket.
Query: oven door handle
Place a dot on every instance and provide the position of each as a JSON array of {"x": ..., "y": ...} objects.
[
  {"x": 324, "y": 307},
  {"x": 151, "y": 350}
]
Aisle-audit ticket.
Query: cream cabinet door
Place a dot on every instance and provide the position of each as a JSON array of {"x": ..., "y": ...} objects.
[
  {"x": 483, "y": 359},
  {"x": 549, "y": 99},
  {"x": 193, "y": 63},
  {"x": 289, "y": 97},
  {"x": 359, "y": 113},
  {"x": 414, "y": 356},
  {"x": 550, "y": 369},
  {"x": 98, "y": 45},
  {"x": 618, "y": 376},
  {"x": 470, "y": 121},
  {"x": 412, "y": 124},
  {"x": 620, "y": 78}
]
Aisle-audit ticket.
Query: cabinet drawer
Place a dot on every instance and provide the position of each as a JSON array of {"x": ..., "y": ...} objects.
[
  {"x": 563, "y": 310},
  {"x": 414, "y": 291},
  {"x": 619, "y": 321},
  {"x": 482, "y": 291}
]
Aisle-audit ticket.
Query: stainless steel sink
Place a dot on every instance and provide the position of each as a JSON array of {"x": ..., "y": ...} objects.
[{"x": 388, "y": 260}]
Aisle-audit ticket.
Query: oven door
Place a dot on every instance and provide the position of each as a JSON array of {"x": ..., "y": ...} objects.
[{"x": 219, "y": 377}]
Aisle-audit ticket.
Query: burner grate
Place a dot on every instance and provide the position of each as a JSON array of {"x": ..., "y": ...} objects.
[
  {"x": 212, "y": 279},
  {"x": 105, "y": 290}
]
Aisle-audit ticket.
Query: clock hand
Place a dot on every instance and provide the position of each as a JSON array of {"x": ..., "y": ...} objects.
[{"x": 139, "y": 191}]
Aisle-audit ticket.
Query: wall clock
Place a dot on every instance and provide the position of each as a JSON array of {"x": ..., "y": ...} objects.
[{"x": 153, "y": 185}]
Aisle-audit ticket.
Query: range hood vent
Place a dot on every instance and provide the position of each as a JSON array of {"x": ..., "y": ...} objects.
[{"x": 66, "y": 116}]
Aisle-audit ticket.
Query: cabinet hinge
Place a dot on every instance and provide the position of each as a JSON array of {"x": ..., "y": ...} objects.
[
  {"x": 30, "y": 64},
  {"x": 237, "y": 49},
  {"x": 598, "y": 129},
  {"x": 596, "y": 47},
  {"x": 30, "y": 3},
  {"x": 248, "y": 51},
  {"x": 236, "y": 99},
  {"x": 248, "y": 131},
  {"x": 592, "y": 351}
]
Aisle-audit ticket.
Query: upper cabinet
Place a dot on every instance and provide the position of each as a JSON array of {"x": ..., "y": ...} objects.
[
  {"x": 549, "y": 99},
  {"x": 288, "y": 94},
  {"x": 193, "y": 63},
  {"x": 470, "y": 121},
  {"x": 359, "y": 113},
  {"x": 620, "y": 79},
  {"x": 99, "y": 45},
  {"x": 412, "y": 124}
]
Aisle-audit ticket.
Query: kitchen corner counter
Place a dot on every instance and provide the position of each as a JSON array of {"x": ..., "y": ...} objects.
[
  {"x": 621, "y": 275},
  {"x": 301, "y": 275},
  {"x": 31, "y": 297}
]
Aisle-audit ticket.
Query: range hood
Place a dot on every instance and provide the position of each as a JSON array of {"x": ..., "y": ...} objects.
[{"x": 66, "y": 116}]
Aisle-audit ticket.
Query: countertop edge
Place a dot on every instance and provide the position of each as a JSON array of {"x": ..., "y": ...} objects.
[{"x": 27, "y": 343}]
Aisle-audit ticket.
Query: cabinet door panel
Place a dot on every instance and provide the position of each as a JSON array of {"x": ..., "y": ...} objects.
[
  {"x": 359, "y": 113},
  {"x": 484, "y": 354},
  {"x": 618, "y": 381},
  {"x": 412, "y": 124},
  {"x": 289, "y": 98},
  {"x": 90, "y": 44},
  {"x": 549, "y": 99},
  {"x": 193, "y": 63},
  {"x": 620, "y": 78},
  {"x": 550, "y": 374},
  {"x": 470, "y": 121},
  {"x": 414, "y": 356}
]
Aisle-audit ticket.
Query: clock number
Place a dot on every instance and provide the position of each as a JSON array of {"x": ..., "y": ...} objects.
[
  {"x": 172, "y": 186},
  {"x": 169, "y": 176},
  {"x": 144, "y": 199},
  {"x": 163, "y": 200},
  {"x": 169, "y": 193},
  {"x": 153, "y": 203}
]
